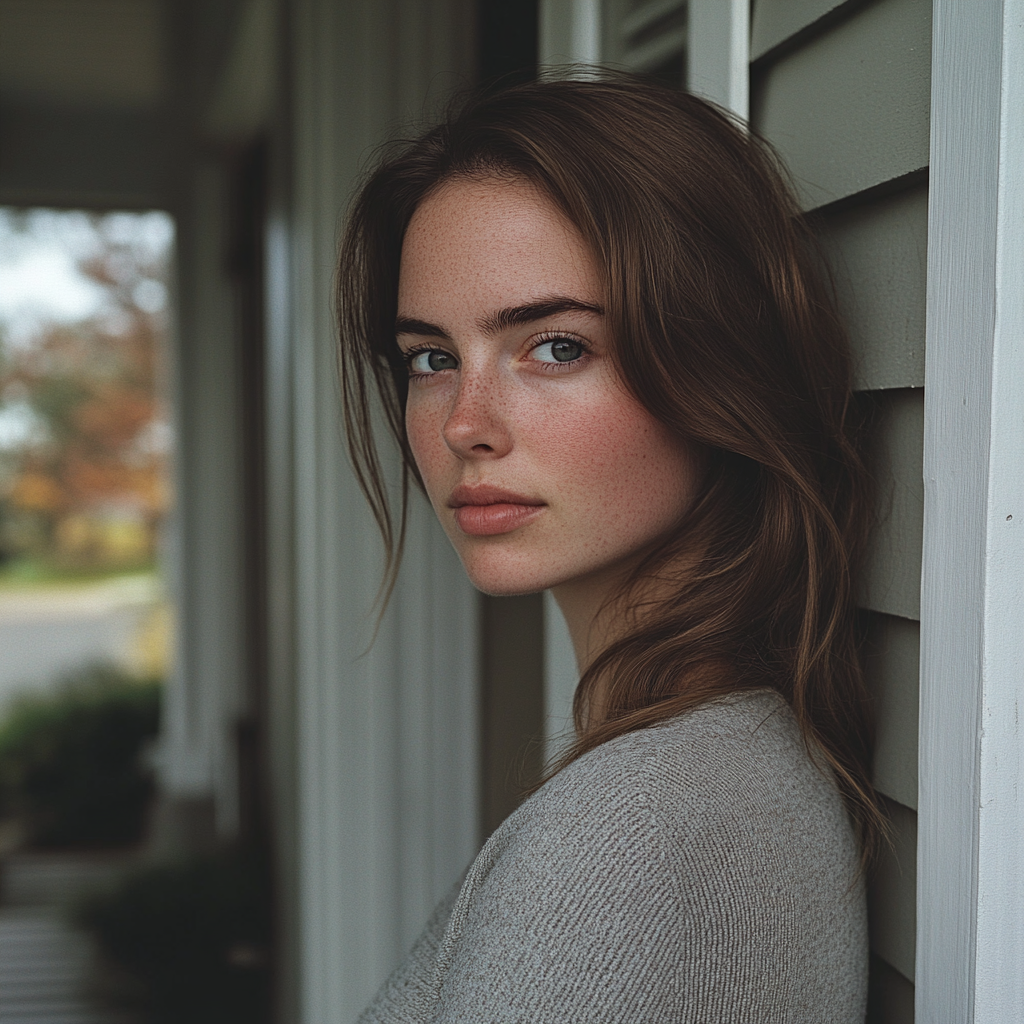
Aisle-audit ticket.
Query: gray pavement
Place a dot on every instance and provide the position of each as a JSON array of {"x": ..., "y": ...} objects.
[{"x": 47, "y": 632}]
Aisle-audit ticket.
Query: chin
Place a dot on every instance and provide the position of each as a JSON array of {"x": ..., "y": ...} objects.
[
  {"x": 504, "y": 586},
  {"x": 504, "y": 577}
]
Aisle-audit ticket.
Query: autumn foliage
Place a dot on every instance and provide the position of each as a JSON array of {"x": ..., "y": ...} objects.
[{"x": 88, "y": 487}]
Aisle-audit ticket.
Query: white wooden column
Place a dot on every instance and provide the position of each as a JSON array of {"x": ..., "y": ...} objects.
[
  {"x": 570, "y": 32},
  {"x": 718, "y": 52},
  {"x": 970, "y": 898},
  {"x": 384, "y": 762},
  {"x": 204, "y": 695}
]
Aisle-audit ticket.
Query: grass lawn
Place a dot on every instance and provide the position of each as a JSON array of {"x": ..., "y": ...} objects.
[{"x": 25, "y": 573}]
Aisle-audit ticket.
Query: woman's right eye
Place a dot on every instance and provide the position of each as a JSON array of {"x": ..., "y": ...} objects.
[{"x": 431, "y": 361}]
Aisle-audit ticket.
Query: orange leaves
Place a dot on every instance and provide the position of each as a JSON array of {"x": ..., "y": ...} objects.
[
  {"x": 36, "y": 491},
  {"x": 113, "y": 416}
]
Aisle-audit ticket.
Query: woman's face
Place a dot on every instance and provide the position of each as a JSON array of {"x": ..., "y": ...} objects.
[{"x": 541, "y": 467}]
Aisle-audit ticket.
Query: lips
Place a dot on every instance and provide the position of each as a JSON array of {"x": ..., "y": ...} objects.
[{"x": 485, "y": 511}]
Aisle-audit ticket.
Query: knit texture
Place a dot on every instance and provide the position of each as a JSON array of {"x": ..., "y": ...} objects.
[{"x": 701, "y": 871}]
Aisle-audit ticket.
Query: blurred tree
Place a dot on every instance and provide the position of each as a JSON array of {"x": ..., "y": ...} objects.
[{"x": 86, "y": 487}]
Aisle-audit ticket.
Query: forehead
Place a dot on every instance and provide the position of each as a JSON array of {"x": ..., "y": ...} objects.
[{"x": 491, "y": 242}]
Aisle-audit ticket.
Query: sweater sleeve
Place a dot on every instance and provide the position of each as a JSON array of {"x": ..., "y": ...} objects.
[{"x": 549, "y": 932}]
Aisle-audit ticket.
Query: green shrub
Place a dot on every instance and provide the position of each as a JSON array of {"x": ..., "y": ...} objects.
[
  {"x": 195, "y": 936},
  {"x": 70, "y": 768}
]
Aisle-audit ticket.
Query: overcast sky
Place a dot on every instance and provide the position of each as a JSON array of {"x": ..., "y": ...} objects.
[
  {"x": 40, "y": 251},
  {"x": 41, "y": 283}
]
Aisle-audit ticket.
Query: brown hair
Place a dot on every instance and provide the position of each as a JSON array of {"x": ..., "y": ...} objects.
[{"x": 725, "y": 329}]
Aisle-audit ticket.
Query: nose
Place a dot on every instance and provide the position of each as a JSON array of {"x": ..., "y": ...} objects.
[{"x": 476, "y": 426}]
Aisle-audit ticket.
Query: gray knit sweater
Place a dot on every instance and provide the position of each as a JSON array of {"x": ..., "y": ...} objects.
[{"x": 699, "y": 871}]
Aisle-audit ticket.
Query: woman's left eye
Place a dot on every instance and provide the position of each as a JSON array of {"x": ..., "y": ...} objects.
[{"x": 558, "y": 350}]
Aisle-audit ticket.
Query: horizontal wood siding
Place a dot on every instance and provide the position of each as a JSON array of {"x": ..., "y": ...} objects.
[
  {"x": 890, "y": 996},
  {"x": 782, "y": 23},
  {"x": 891, "y": 582},
  {"x": 892, "y": 666},
  {"x": 848, "y": 110},
  {"x": 648, "y": 36},
  {"x": 878, "y": 252},
  {"x": 842, "y": 91},
  {"x": 891, "y": 896}
]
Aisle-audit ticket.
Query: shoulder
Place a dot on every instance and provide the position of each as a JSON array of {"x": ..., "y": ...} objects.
[
  {"x": 708, "y": 851},
  {"x": 724, "y": 797},
  {"x": 742, "y": 755},
  {"x": 720, "y": 800}
]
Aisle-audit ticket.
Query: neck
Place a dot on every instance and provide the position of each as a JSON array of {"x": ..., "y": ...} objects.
[
  {"x": 596, "y": 617},
  {"x": 589, "y": 615}
]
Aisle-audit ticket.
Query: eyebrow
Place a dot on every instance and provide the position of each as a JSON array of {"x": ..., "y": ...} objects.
[{"x": 503, "y": 319}]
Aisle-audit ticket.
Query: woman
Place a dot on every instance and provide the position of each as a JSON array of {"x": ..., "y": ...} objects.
[{"x": 595, "y": 321}]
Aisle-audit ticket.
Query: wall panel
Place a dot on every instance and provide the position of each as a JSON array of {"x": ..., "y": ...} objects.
[
  {"x": 890, "y": 996},
  {"x": 891, "y": 581},
  {"x": 878, "y": 252},
  {"x": 891, "y": 909},
  {"x": 842, "y": 90},
  {"x": 849, "y": 111},
  {"x": 776, "y": 23},
  {"x": 891, "y": 668}
]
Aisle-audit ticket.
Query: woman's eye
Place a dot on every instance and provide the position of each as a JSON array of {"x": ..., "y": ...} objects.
[
  {"x": 558, "y": 350},
  {"x": 431, "y": 361}
]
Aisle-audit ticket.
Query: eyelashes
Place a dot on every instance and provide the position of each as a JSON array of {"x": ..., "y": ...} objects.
[
  {"x": 560, "y": 345},
  {"x": 552, "y": 352},
  {"x": 429, "y": 357}
]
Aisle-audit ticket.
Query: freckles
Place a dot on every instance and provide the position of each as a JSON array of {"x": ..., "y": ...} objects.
[
  {"x": 417, "y": 429},
  {"x": 603, "y": 440},
  {"x": 423, "y": 432},
  {"x": 625, "y": 476}
]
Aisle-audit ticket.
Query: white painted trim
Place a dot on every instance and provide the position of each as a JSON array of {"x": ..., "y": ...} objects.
[
  {"x": 970, "y": 894},
  {"x": 718, "y": 56},
  {"x": 570, "y": 32},
  {"x": 205, "y": 695},
  {"x": 586, "y": 30}
]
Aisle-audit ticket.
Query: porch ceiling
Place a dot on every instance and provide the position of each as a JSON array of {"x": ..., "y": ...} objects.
[
  {"x": 108, "y": 53},
  {"x": 99, "y": 99}
]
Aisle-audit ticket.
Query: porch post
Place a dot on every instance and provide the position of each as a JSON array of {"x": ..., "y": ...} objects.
[
  {"x": 970, "y": 897},
  {"x": 382, "y": 770}
]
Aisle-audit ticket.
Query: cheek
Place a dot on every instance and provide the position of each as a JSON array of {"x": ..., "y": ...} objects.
[
  {"x": 423, "y": 430},
  {"x": 622, "y": 464}
]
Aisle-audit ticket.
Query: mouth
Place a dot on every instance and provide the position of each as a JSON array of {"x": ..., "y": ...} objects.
[{"x": 487, "y": 511}]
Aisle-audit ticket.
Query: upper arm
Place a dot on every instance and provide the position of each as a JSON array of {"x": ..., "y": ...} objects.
[
  {"x": 581, "y": 918},
  {"x": 606, "y": 908}
]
